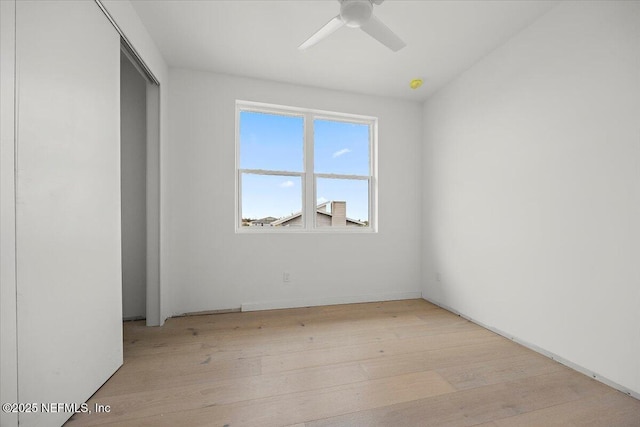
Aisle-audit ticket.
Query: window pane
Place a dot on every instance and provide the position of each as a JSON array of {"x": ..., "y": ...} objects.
[
  {"x": 271, "y": 142},
  {"x": 341, "y": 148},
  {"x": 334, "y": 195},
  {"x": 270, "y": 200}
]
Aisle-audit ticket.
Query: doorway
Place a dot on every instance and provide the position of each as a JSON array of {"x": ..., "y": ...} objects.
[
  {"x": 140, "y": 195},
  {"x": 133, "y": 183}
]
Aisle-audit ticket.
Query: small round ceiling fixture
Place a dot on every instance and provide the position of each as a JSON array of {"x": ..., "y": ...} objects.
[{"x": 415, "y": 83}]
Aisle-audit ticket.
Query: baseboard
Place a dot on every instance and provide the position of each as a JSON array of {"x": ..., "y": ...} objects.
[
  {"x": 207, "y": 312},
  {"x": 132, "y": 318},
  {"x": 312, "y": 302},
  {"x": 542, "y": 351}
]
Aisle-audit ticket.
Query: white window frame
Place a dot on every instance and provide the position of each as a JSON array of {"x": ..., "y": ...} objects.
[{"x": 308, "y": 176}]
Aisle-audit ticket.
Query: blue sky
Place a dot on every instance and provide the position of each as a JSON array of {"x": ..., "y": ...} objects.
[{"x": 275, "y": 142}]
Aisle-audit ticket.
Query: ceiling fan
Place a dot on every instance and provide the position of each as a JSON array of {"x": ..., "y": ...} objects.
[{"x": 357, "y": 14}]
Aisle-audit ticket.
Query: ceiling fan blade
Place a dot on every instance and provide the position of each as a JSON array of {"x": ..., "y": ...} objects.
[
  {"x": 376, "y": 29},
  {"x": 323, "y": 32}
]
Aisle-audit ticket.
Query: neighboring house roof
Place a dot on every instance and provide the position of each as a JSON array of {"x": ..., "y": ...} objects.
[
  {"x": 285, "y": 219},
  {"x": 320, "y": 209}
]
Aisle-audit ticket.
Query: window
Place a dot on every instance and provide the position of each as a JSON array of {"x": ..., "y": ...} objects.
[{"x": 304, "y": 170}]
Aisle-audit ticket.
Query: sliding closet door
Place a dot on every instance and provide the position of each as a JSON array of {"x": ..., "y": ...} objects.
[{"x": 68, "y": 204}]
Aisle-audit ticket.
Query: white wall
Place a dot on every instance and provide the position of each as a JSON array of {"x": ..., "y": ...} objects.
[
  {"x": 532, "y": 189},
  {"x": 133, "y": 168},
  {"x": 210, "y": 267}
]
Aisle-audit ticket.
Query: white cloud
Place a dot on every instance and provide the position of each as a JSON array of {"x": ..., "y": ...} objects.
[
  {"x": 287, "y": 184},
  {"x": 341, "y": 152},
  {"x": 322, "y": 200}
]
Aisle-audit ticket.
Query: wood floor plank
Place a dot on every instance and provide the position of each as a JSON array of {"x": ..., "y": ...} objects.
[
  {"x": 441, "y": 358},
  {"x": 130, "y": 378},
  {"x": 611, "y": 409},
  {"x": 136, "y": 405},
  {"x": 298, "y": 407},
  {"x": 478, "y": 405},
  {"x": 198, "y": 331},
  {"x": 437, "y": 325},
  {"x": 372, "y": 351},
  {"x": 267, "y": 344},
  {"x": 482, "y": 373}
]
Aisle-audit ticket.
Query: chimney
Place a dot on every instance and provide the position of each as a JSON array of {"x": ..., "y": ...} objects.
[{"x": 338, "y": 214}]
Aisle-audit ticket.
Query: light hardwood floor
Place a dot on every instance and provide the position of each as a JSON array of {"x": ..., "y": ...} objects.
[{"x": 398, "y": 363}]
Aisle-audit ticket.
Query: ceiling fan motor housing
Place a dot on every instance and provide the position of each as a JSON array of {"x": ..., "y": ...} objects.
[{"x": 354, "y": 13}]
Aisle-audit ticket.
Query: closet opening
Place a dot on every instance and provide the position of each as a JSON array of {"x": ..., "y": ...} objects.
[{"x": 140, "y": 184}]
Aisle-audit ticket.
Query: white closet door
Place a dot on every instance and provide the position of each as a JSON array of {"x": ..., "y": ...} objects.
[{"x": 69, "y": 306}]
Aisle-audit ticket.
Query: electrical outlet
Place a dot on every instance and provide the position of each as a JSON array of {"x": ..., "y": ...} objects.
[{"x": 286, "y": 277}]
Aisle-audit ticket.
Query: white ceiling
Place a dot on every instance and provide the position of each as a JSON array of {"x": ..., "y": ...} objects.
[{"x": 260, "y": 38}]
